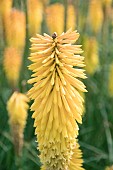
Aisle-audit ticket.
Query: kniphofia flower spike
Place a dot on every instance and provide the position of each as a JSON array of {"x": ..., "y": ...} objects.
[{"x": 57, "y": 103}]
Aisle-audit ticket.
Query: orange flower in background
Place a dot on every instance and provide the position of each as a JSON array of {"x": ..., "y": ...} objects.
[
  {"x": 15, "y": 29},
  {"x": 5, "y": 7},
  {"x": 91, "y": 54},
  {"x": 17, "y": 109},
  {"x": 95, "y": 15},
  {"x": 55, "y": 18},
  {"x": 35, "y": 16},
  {"x": 12, "y": 64},
  {"x": 107, "y": 2},
  {"x": 57, "y": 103},
  {"x": 71, "y": 17},
  {"x": 45, "y": 1}
]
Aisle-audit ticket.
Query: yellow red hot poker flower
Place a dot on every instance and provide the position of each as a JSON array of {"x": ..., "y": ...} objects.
[
  {"x": 17, "y": 109},
  {"x": 95, "y": 16},
  {"x": 71, "y": 17},
  {"x": 5, "y": 7},
  {"x": 91, "y": 54},
  {"x": 12, "y": 64},
  {"x": 55, "y": 17},
  {"x": 107, "y": 2},
  {"x": 35, "y": 16},
  {"x": 15, "y": 29},
  {"x": 57, "y": 103}
]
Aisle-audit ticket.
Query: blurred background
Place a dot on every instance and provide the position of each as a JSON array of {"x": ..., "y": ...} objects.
[{"x": 22, "y": 19}]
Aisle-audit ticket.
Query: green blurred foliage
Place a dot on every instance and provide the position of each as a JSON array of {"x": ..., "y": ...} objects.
[{"x": 96, "y": 132}]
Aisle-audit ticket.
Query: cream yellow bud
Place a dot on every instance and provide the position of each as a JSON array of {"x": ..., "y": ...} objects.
[
  {"x": 12, "y": 64},
  {"x": 17, "y": 109}
]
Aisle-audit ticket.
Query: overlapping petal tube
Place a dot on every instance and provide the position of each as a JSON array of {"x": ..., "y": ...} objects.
[
  {"x": 57, "y": 103},
  {"x": 17, "y": 109},
  {"x": 76, "y": 161}
]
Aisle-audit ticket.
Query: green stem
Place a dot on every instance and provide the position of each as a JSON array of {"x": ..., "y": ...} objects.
[{"x": 18, "y": 162}]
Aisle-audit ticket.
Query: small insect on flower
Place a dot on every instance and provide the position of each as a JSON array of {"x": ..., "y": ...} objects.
[
  {"x": 54, "y": 35},
  {"x": 57, "y": 106}
]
